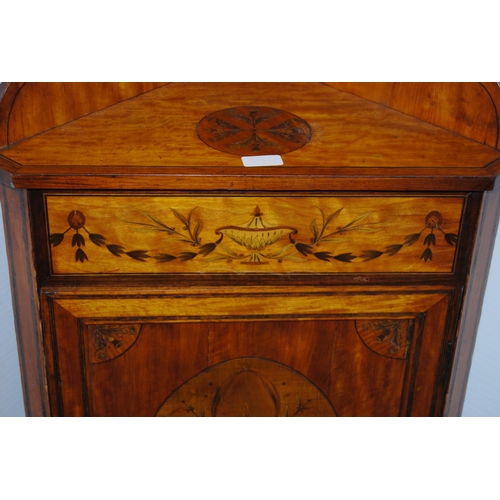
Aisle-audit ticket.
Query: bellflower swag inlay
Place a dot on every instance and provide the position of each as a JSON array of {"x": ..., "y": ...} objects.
[{"x": 255, "y": 239}]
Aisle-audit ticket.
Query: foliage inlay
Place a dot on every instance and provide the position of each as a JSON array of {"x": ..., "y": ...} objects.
[
  {"x": 109, "y": 341},
  {"x": 387, "y": 337},
  {"x": 255, "y": 239}
]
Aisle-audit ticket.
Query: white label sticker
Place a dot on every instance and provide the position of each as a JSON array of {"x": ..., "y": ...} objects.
[{"x": 262, "y": 161}]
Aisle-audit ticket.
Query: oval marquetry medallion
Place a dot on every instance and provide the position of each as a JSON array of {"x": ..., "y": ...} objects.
[
  {"x": 254, "y": 130},
  {"x": 247, "y": 387},
  {"x": 246, "y": 392}
]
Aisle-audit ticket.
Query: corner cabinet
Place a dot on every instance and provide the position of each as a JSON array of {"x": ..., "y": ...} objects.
[{"x": 153, "y": 274}]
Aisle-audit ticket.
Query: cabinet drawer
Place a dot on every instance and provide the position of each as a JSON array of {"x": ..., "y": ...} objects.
[{"x": 252, "y": 234}]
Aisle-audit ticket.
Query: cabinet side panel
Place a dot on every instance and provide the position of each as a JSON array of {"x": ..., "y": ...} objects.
[
  {"x": 466, "y": 336},
  {"x": 41, "y": 106},
  {"x": 25, "y": 300},
  {"x": 11, "y": 393},
  {"x": 469, "y": 109},
  {"x": 8, "y": 94}
]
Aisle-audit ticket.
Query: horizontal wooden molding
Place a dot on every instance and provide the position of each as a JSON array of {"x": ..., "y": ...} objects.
[
  {"x": 264, "y": 306},
  {"x": 268, "y": 179}
]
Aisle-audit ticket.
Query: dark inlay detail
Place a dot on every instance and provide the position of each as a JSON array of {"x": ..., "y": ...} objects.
[
  {"x": 109, "y": 341},
  {"x": 389, "y": 338},
  {"x": 254, "y": 130}
]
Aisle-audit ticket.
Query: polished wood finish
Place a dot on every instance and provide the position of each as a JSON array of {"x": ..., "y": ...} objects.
[
  {"x": 254, "y": 130},
  {"x": 468, "y": 109},
  {"x": 7, "y": 168},
  {"x": 17, "y": 224},
  {"x": 380, "y": 149},
  {"x": 153, "y": 274},
  {"x": 477, "y": 280},
  {"x": 38, "y": 107},
  {"x": 312, "y": 331},
  {"x": 221, "y": 391},
  {"x": 8, "y": 93},
  {"x": 172, "y": 234},
  {"x": 255, "y": 180},
  {"x": 158, "y": 129}
]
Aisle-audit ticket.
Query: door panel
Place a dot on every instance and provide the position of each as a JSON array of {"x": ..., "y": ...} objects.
[{"x": 290, "y": 353}]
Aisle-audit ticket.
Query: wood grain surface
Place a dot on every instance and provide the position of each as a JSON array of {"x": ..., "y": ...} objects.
[
  {"x": 293, "y": 352},
  {"x": 168, "y": 234},
  {"x": 33, "y": 108},
  {"x": 15, "y": 211},
  {"x": 159, "y": 129},
  {"x": 469, "y": 109},
  {"x": 152, "y": 142},
  {"x": 173, "y": 281}
]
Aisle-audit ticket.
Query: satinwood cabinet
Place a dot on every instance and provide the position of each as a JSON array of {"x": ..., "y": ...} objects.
[{"x": 153, "y": 274}]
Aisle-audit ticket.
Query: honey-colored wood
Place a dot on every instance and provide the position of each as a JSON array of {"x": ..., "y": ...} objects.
[
  {"x": 173, "y": 281},
  {"x": 180, "y": 305},
  {"x": 158, "y": 129},
  {"x": 8, "y": 93},
  {"x": 37, "y": 107},
  {"x": 380, "y": 149},
  {"x": 273, "y": 234},
  {"x": 469, "y": 109},
  {"x": 244, "y": 340}
]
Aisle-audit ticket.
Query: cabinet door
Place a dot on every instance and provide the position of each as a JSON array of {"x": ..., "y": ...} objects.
[{"x": 236, "y": 352}]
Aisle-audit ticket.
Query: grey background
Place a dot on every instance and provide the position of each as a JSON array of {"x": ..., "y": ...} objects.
[{"x": 483, "y": 390}]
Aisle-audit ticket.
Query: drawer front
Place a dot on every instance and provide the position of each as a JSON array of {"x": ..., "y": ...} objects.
[{"x": 252, "y": 234}]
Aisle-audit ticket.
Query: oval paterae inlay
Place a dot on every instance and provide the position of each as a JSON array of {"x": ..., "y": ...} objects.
[{"x": 254, "y": 130}]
